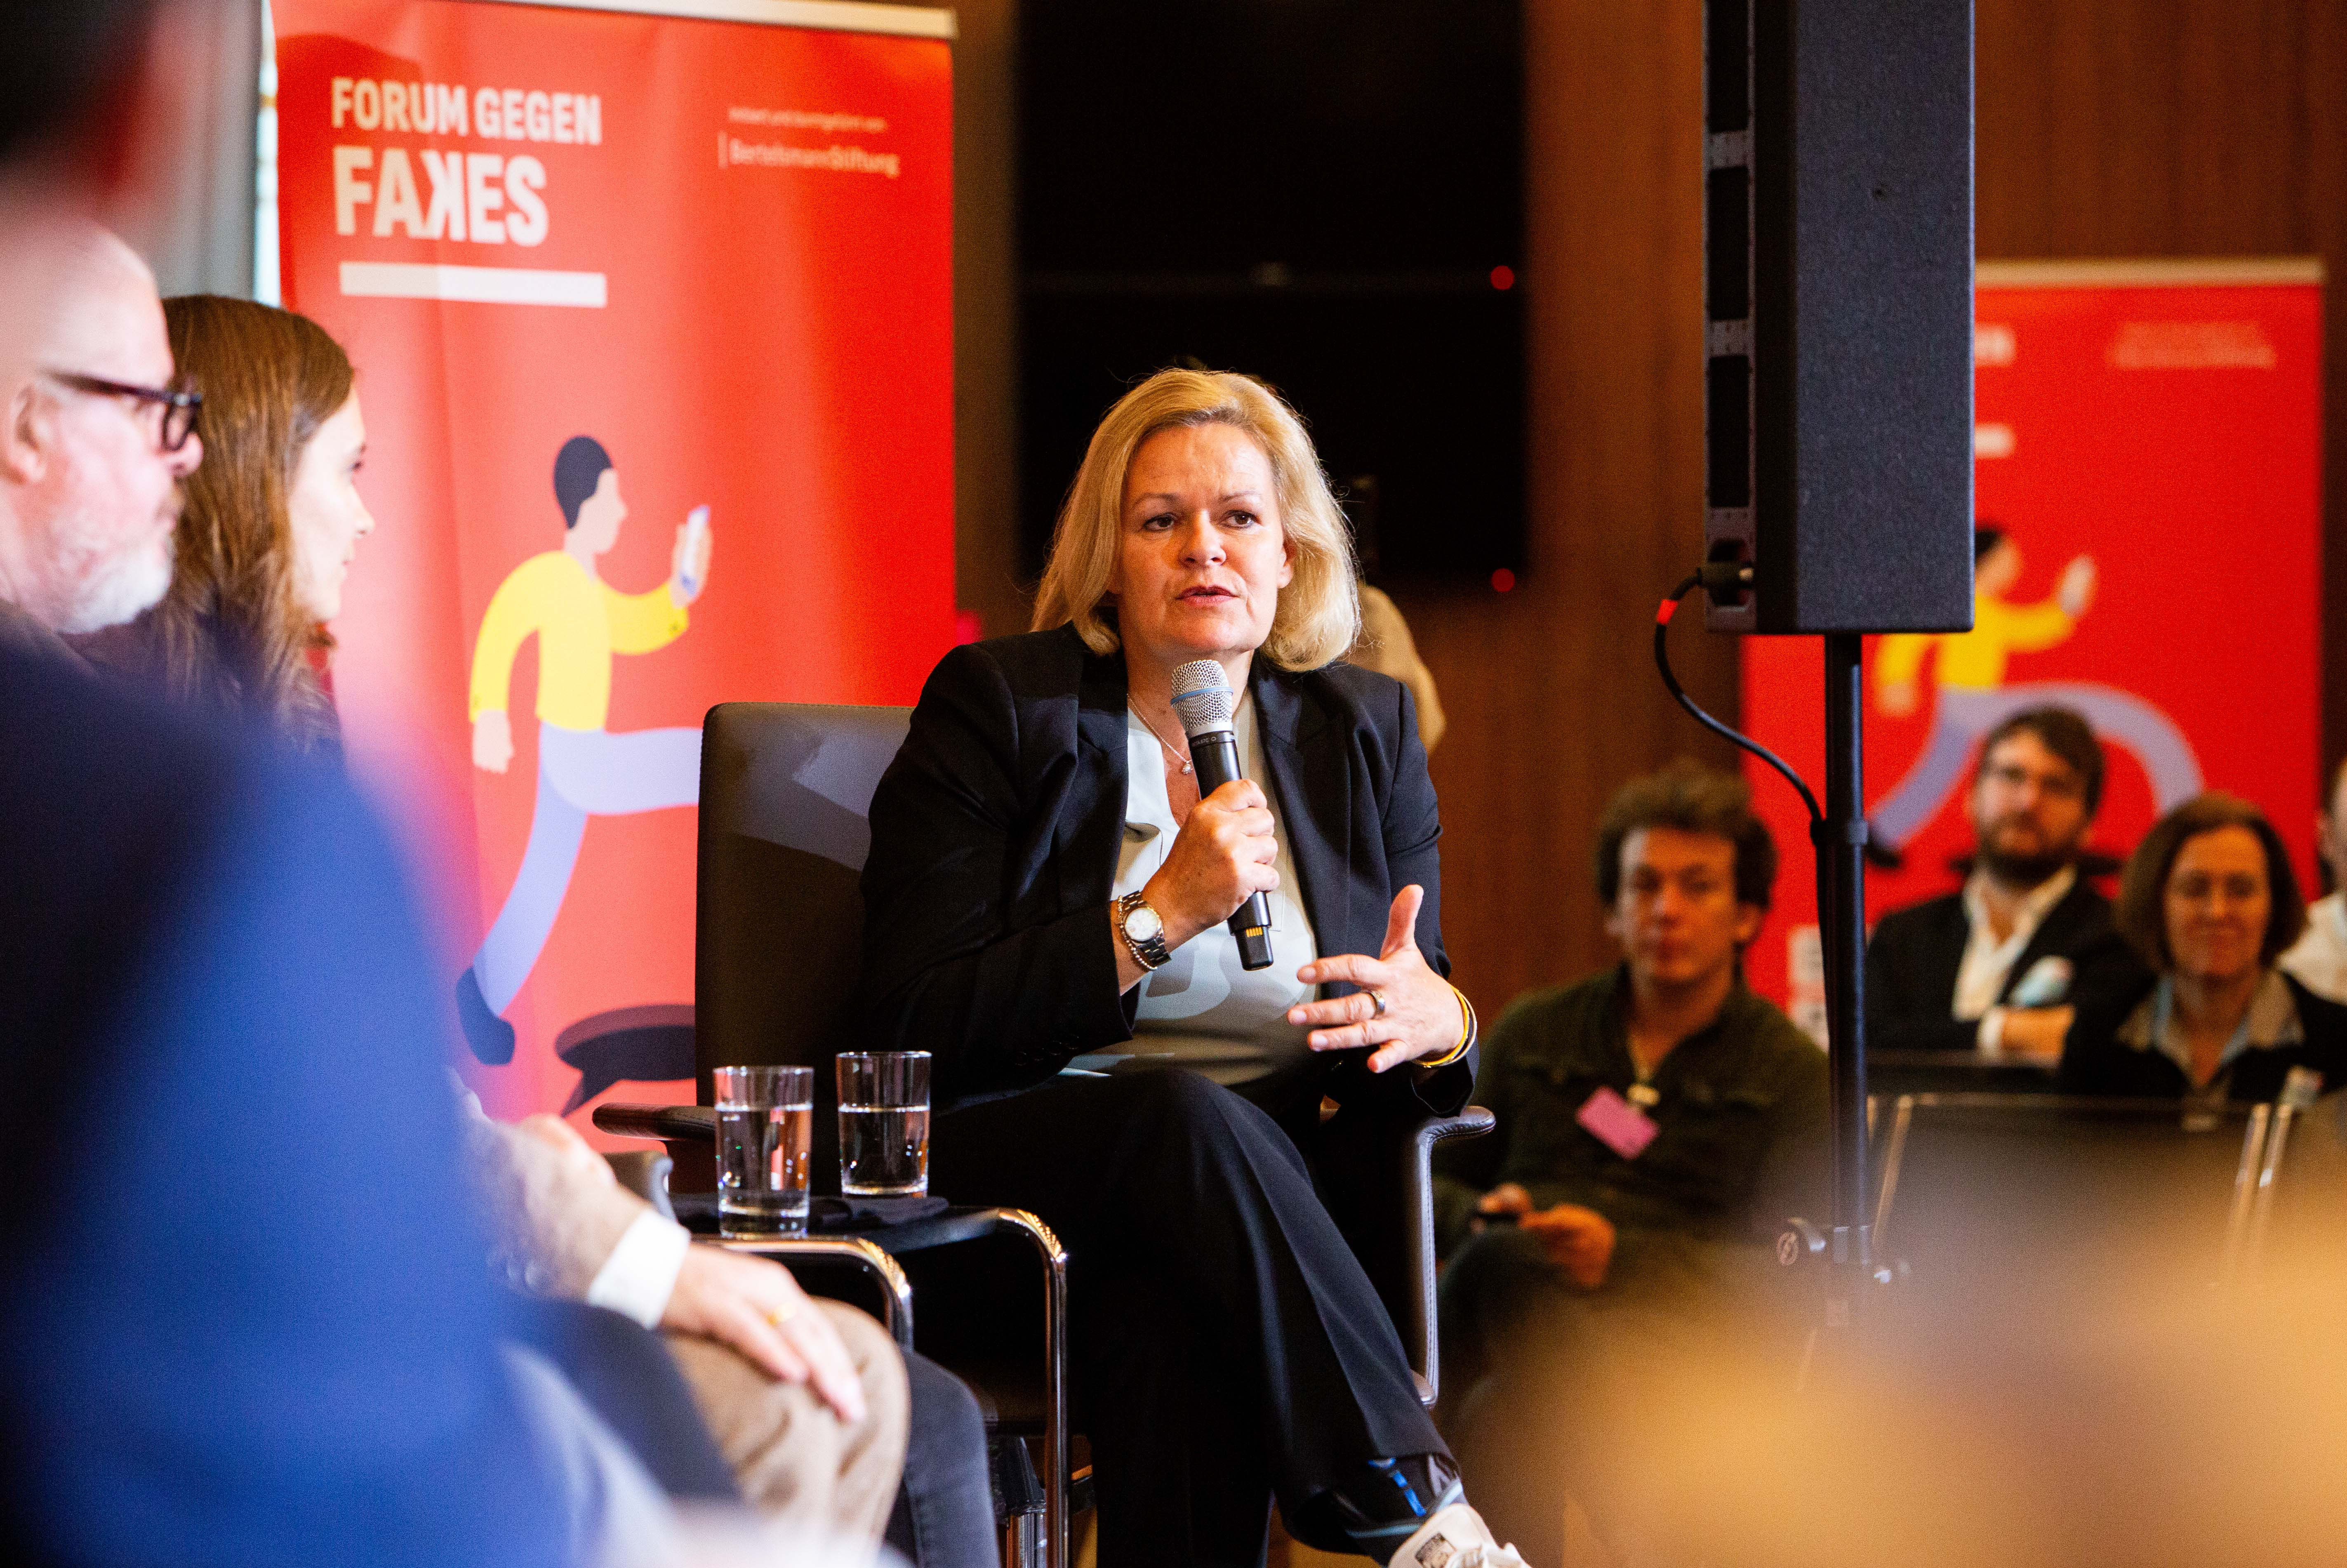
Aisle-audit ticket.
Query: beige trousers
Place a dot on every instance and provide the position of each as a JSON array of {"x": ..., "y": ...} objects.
[{"x": 795, "y": 1460}]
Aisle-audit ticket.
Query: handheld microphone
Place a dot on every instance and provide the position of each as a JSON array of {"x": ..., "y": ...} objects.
[{"x": 1203, "y": 702}]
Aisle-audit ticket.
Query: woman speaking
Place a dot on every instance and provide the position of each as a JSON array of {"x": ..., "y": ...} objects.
[{"x": 1046, "y": 898}]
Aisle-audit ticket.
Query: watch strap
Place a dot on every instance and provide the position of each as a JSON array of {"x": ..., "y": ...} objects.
[{"x": 1152, "y": 954}]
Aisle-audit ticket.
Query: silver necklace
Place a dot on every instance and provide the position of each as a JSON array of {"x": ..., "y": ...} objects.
[{"x": 1182, "y": 757}]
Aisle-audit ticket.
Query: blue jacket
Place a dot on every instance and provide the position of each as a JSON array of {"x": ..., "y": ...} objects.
[{"x": 244, "y": 1315}]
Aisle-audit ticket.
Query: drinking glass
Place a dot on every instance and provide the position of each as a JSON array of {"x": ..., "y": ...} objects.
[
  {"x": 884, "y": 1122},
  {"x": 766, "y": 1129}
]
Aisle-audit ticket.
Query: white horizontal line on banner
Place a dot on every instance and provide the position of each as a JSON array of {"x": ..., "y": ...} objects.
[
  {"x": 833, "y": 16},
  {"x": 474, "y": 285}
]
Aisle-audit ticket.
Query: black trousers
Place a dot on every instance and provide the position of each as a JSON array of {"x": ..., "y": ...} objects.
[
  {"x": 944, "y": 1516},
  {"x": 1227, "y": 1347}
]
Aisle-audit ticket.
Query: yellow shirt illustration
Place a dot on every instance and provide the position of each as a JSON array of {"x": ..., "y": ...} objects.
[
  {"x": 1975, "y": 660},
  {"x": 581, "y": 622}
]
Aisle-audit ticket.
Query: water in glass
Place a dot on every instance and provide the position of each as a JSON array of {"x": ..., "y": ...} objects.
[
  {"x": 762, "y": 1153},
  {"x": 883, "y": 1150}
]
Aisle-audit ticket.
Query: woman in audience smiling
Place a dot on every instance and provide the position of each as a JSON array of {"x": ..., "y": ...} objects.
[
  {"x": 2209, "y": 900},
  {"x": 273, "y": 519}
]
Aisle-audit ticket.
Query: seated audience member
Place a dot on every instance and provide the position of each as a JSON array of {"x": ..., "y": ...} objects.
[
  {"x": 2317, "y": 959},
  {"x": 1658, "y": 1121},
  {"x": 2209, "y": 901},
  {"x": 807, "y": 1400},
  {"x": 2004, "y": 966},
  {"x": 238, "y": 1324}
]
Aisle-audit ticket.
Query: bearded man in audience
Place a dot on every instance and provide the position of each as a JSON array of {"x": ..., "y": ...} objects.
[{"x": 2000, "y": 968}]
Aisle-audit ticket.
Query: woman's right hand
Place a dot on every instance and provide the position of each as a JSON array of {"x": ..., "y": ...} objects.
[{"x": 1225, "y": 850}]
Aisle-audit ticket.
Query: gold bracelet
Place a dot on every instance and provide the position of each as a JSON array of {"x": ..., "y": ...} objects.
[{"x": 1467, "y": 1031}]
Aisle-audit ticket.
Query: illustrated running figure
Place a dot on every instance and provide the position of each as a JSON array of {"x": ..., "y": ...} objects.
[
  {"x": 583, "y": 770},
  {"x": 1973, "y": 698}
]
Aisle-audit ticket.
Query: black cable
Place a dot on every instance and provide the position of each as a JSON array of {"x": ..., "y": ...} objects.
[{"x": 1663, "y": 663}]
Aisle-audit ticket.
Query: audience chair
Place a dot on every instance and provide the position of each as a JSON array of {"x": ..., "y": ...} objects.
[
  {"x": 2018, "y": 1204},
  {"x": 784, "y": 792}
]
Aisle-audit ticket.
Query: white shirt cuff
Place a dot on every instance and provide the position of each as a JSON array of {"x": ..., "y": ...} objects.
[
  {"x": 640, "y": 1275},
  {"x": 1991, "y": 1037}
]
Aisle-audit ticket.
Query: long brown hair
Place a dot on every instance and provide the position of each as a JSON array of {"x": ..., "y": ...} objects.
[{"x": 230, "y": 633}]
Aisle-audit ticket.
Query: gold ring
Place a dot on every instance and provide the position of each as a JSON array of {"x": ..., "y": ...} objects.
[
  {"x": 783, "y": 1313},
  {"x": 1377, "y": 1001}
]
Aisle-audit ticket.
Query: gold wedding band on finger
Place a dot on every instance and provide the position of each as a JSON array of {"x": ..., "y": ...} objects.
[
  {"x": 1377, "y": 1001},
  {"x": 783, "y": 1313}
]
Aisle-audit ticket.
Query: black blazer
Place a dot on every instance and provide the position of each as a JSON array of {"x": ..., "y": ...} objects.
[
  {"x": 1912, "y": 959},
  {"x": 994, "y": 852},
  {"x": 2094, "y": 1060}
]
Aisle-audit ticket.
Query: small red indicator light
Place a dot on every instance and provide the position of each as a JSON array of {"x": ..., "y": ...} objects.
[
  {"x": 1503, "y": 277},
  {"x": 1502, "y": 580}
]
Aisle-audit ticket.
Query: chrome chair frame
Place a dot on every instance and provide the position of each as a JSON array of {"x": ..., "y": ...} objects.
[
  {"x": 2265, "y": 1137},
  {"x": 692, "y": 1124}
]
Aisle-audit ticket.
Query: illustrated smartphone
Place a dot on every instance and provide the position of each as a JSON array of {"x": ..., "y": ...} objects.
[{"x": 696, "y": 530}]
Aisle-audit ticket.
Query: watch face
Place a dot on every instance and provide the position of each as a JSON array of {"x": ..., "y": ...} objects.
[{"x": 1141, "y": 924}]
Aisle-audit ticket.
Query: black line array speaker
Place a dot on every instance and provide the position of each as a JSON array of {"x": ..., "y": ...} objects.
[{"x": 1838, "y": 281}]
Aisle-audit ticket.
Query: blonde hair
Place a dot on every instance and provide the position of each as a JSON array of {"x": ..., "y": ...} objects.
[{"x": 1319, "y": 613}]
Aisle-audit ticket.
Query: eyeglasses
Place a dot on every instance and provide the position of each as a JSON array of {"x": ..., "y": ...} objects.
[{"x": 177, "y": 402}]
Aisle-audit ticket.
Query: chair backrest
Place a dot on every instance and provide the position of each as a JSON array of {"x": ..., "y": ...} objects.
[
  {"x": 785, "y": 790},
  {"x": 2042, "y": 1206}
]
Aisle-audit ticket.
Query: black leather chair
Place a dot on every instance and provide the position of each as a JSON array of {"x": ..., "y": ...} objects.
[{"x": 784, "y": 792}]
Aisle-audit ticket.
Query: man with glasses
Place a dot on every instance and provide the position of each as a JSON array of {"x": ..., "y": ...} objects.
[
  {"x": 242, "y": 1313},
  {"x": 95, "y": 437},
  {"x": 2000, "y": 968}
]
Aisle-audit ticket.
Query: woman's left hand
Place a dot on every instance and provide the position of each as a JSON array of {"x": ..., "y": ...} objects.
[{"x": 1420, "y": 1015}]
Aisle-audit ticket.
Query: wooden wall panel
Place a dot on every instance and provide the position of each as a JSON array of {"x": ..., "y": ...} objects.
[
  {"x": 1551, "y": 690},
  {"x": 986, "y": 318}
]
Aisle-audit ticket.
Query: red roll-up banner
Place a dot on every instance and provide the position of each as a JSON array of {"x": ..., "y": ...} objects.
[
  {"x": 653, "y": 322},
  {"x": 2148, "y": 444}
]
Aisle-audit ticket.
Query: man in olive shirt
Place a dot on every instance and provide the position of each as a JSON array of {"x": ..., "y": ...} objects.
[{"x": 1656, "y": 1123}]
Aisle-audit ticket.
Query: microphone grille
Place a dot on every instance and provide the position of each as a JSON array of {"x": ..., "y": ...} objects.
[{"x": 1203, "y": 697}]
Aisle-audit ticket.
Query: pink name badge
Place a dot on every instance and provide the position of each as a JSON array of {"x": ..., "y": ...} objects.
[{"x": 1616, "y": 1124}]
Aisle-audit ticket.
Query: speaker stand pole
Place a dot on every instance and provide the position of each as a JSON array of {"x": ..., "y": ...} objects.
[{"x": 1841, "y": 931}]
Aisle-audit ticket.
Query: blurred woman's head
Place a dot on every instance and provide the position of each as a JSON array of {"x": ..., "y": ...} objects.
[
  {"x": 2209, "y": 894},
  {"x": 272, "y": 516},
  {"x": 1265, "y": 560}
]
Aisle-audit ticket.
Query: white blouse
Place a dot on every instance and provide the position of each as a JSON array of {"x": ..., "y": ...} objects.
[{"x": 1203, "y": 1011}]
